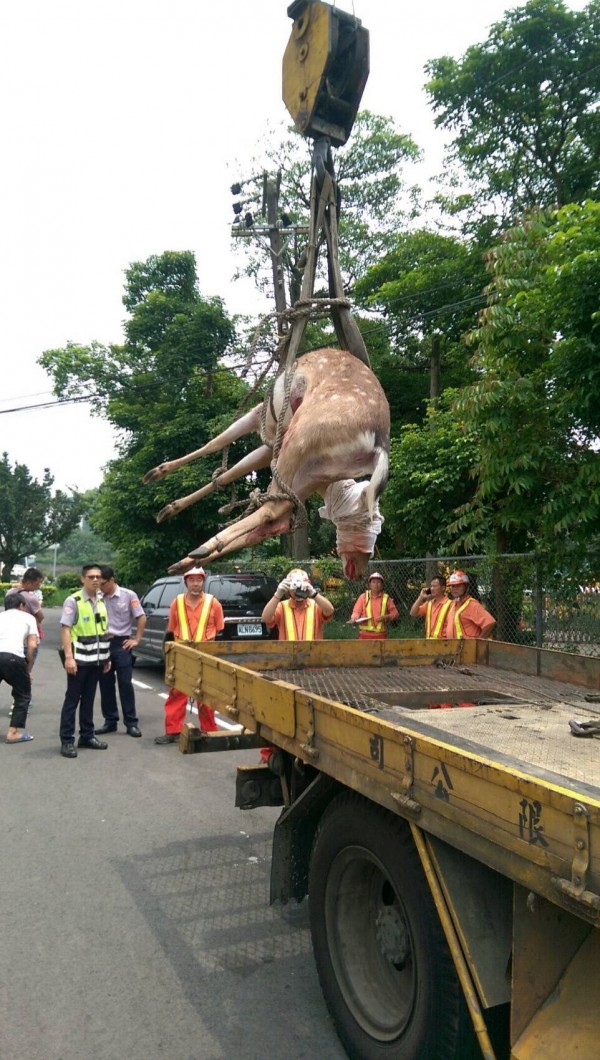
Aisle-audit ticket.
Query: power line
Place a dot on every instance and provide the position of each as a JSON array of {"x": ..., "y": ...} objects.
[
  {"x": 25, "y": 397},
  {"x": 138, "y": 388},
  {"x": 386, "y": 328}
]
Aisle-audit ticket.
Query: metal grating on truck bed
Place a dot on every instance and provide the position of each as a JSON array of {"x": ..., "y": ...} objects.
[{"x": 531, "y": 726}]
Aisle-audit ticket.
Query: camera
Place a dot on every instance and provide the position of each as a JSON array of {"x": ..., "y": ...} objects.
[{"x": 300, "y": 587}]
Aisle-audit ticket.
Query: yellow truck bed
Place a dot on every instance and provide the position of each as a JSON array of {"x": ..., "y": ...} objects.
[{"x": 503, "y": 779}]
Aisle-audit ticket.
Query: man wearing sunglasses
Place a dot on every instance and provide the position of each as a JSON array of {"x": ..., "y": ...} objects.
[{"x": 86, "y": 651}]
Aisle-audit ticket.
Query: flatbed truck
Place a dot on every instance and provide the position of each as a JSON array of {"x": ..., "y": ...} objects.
[{"x": 444, "y": 823}]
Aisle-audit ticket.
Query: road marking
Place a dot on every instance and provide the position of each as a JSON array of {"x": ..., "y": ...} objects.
[{"x": 139, "y": 684}]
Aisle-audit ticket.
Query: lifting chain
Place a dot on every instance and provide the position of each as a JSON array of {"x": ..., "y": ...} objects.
[{"x": 323, "y": 229}]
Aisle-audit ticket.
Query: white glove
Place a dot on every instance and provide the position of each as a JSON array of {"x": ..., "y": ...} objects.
[
  {"x": 312, "y": 592},
  {"x": 282, "y": 589}
]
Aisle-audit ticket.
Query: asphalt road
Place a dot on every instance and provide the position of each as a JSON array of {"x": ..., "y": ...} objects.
[{"x": 136, "y": 917}]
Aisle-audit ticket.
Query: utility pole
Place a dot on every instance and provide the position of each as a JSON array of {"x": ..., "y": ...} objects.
[
  {"x": 300, "y": 547},
  {"x": 299, "y": 544},
  {"x": 271, "y": 201}
]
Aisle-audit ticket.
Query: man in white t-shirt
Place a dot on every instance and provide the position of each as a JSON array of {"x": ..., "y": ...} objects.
[{"x": 18, "y": 641}]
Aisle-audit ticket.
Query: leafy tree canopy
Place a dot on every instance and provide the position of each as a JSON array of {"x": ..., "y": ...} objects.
[
  {"x": 168, "y": 390},
  {"x": 375, "y": 200},
  {"x": 31, "y": 516},
  {"x": 430, "y": 477},
  {"x": 522, "y": 106},
  {"x": 79, "y": 547},
  {"x": 534, "y": 408},
  {"x": 426, "y": 283},
  {"x": 429, "y": 288}
]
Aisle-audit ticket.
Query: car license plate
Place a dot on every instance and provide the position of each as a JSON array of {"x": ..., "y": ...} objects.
[{"x": 247, "y": 629}]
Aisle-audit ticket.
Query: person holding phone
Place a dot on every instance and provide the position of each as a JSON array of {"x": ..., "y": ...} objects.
[{"x": 433, "y": 605}]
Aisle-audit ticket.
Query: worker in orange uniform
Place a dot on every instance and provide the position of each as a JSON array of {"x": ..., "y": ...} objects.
[
  {"x": 302, "y": 616},
  {"x": 466, "y": 616},
  {"x": 373, "y": 610},
  {"x": 194, "y": 616},
  {"x": 433, "y": 605}
]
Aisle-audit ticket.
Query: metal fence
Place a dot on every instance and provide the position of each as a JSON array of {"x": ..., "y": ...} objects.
[{"x": 512, "y": 587}]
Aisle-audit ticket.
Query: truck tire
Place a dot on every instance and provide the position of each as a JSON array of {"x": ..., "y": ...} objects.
[{"x": 385, "y": 969}]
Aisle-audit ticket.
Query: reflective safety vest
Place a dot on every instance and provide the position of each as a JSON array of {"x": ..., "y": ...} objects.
[
  {"x": 371, "y": 626},
  {"x": 202, "y": 621},
  {"x": 91, "y": 643},
  {"x": 290, "y": 620},
  {"x": 458, "y": 630},
  {"x": 438, "y": 628}
]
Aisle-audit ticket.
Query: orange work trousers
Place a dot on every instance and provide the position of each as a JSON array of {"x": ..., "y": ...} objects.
[{"x": 175, "y": 708}]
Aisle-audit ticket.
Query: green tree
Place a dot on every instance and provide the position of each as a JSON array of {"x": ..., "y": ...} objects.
[
  {"x": 375, "y": 200},
  {"x": 167, "y": 390},
  {"x": 79, "y": 547},
  {"x": 32, "y": 517},
  {"x": 431, "y": 465},
  {"x": 428, "y": 288},
  {"x": 534, "y": 407},
  {"x": 522, "y": 107}
]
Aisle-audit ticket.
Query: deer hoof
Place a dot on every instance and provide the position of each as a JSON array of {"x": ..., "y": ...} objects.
[
  {"x": 152, "y": 476},
  {"x": 181, "y": 566},
  {"x": 166, "y": 513},
  {"x": 202, "y": 552}
]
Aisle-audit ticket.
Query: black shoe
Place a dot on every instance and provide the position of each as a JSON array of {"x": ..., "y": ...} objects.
[
  {"x": 109, "y": 726},
  {"x": 169, "y": 737},
  {"x": 67, "y": 749},
  {"x": 132, "y": 730},
  {"x": 92, "y": 743}
]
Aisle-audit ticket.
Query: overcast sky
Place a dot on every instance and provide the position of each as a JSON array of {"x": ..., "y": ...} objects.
[{"x": 121, "y": 122}]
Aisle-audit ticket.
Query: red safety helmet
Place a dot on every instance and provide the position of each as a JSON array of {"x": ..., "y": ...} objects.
[
  {"x": 458, "y": 577},
  {"x": 198, "y": 571}
]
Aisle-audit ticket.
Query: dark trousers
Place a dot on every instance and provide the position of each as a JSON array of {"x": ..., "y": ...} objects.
[
  {"x": 121, "y": 673},
  {"x": 13, "y": 670},
  {"x": 81, "y": 689}
]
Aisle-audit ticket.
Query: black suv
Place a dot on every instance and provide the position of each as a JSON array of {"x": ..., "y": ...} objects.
[{"x": 242, "y": 596}]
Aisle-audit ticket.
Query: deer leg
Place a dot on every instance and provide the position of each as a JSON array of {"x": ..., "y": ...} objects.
[
  {"x": 272, "y": 518},
  {"x": 252, "y": 537},
  {"x": 253, "y": 462},
  {"x": 245, "y": 425}
]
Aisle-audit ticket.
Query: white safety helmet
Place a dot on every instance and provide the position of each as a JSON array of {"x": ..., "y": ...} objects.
[
  {"x": 298, "y": 579},
  {"x": 199, "y": 572},
  {"x": 375, "y": 574},
  {"x": 458, "y": 577}
]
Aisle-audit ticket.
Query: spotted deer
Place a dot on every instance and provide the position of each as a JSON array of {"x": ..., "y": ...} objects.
[{"x": 336, "y": 429}]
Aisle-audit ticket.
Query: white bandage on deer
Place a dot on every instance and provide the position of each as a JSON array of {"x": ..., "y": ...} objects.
[{"x": 336, "y": 428}]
